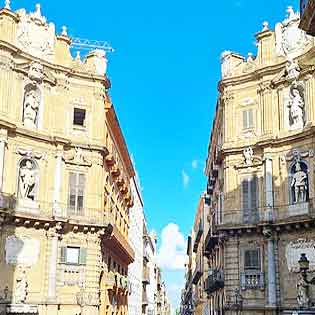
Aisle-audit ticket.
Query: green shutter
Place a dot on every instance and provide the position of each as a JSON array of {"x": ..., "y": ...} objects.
[
  {"x": 63, "y": 255},
  {"x": 83, "y": 255}
]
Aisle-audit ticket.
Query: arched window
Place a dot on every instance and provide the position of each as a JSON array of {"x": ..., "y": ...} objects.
[
  {"x": 28, "y": 180},
  {"x": 298, "y": 182}
]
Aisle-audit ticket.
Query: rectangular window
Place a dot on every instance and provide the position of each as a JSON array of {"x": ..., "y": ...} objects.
[
  {"x": 248, "y": 119},
  {"x": 73, "y": 255},
  {"x": 76, "y": 193},
  {"x": 79, "y": 117},
  {"x": 250, "y": 199},
  {"x": 252, "y": 260}
]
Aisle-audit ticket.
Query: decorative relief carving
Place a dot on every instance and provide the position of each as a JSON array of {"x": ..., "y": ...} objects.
[
  {"x": 35, "y": 35},
  {"x": 30, "y": 153},
  {"x": 293, "y": 253},
  {"x": 21, "y": 251},
  {"x": 21, "y": 287},
  {"x": 76, "y": 157},
  {"x": 292, "y": 69},
  {"x": 248, "y": 154},
  {"x": 290, "y": 40}
]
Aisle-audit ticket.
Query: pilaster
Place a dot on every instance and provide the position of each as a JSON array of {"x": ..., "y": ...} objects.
[{"x": 57, "y": 184}]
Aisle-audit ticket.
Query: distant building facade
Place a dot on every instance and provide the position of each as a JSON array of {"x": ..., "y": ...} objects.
[{"x": 135, "y": 270}]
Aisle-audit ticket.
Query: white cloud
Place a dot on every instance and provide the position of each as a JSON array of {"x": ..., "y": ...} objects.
[
  {"x": 195, "y": 164},
  {"x": 172, "y": 254},
  {"x": 185, "y": 179}
]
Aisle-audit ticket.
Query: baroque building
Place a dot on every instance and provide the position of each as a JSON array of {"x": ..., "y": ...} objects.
[
  {"x": 260, "y": 170},
  {"x": 64, "y": 176}
]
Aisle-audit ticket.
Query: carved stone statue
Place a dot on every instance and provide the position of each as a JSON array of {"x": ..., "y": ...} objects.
[
  {"x": 292, "y": 69},
  {"x": 20, "y": 293},
  {"x": 296, "y": 106},
  {"x": 302, "y": 292},
  {"x": 299, "y": 184},
  {"x": 27, "y": 180},
  {"x": 248, "y": 156},
  {"x": 36, "y": 72},
  {"x": 31, "y": 107}
]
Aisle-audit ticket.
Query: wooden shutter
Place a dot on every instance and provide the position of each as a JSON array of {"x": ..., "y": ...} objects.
[
  {"x": 80, "y": 195},
  {"x": 83, "y": 256},
  {"x": 63, "y": 255},
  {"x": 72, "y": 193}
]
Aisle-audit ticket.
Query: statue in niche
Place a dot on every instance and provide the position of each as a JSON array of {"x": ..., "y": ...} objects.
[
  {"x": 296, "y": 107},
  {"x": 27, "y": 180},
  {"x": 20, "y": 293},
  {"x": 302, "y": 287},
  {"x": 31, "y": 106},
  {"x": 299, "y": 184}
]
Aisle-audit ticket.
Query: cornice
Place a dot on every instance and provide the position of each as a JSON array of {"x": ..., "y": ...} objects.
[
  {"x": 68, "y": 71},
  {"x": 272, "y": 141},
  {"x": 306, "y": 60}
]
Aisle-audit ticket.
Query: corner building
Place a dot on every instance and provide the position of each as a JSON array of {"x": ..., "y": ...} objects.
[
  {"x": 260, "y": 171},
  {"x": 64, "y": 176}
]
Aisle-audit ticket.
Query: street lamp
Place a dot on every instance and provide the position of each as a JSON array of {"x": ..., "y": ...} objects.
[{"x": 304, "y": 265}]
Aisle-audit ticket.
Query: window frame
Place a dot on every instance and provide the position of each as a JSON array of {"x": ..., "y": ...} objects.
[
  {"x": 250, "y": 120},
  {"x": 256, "y": 268},
  {"x": 77, "y": 187},
  {"x": 77, "y": 126}
]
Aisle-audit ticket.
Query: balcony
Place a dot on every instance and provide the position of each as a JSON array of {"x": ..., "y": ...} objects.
[
  {"x": 307, "y": 8},
  {"x": 198, "y": 235},
  {"x": 252, "y": 280},
  {"x": 197, "y": 272},
  {"x": 215, "y": 281},
  {"x": 211, "y": 241},
  {"x": 146, "y": 275},
  {"x": 275, "y": 215}
]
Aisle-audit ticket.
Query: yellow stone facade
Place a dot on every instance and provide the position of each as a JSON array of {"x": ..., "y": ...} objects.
[
  {"x": 64, "y": 176},
  {"x": 261, "y": 184}
]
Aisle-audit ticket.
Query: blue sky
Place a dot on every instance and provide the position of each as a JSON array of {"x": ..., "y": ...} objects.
[{"x": 164, "y": 75}]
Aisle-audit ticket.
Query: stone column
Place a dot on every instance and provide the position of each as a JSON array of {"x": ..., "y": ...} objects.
[
  {"x": 272, "y": 286},
  {"x": 2, "y": 152},
  {"x": 272, "y": 278},
  {"x": 52, "y": 265},
  {"x": 57, "y": 184}
]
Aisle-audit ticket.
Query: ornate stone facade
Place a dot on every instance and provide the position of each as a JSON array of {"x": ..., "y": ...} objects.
[
  {"x": 64, "y": 176},
  {"x": 260, "y": 170}
]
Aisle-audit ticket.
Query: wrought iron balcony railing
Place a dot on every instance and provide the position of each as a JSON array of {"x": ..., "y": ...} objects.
[{"x": 215, "y": 281}]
